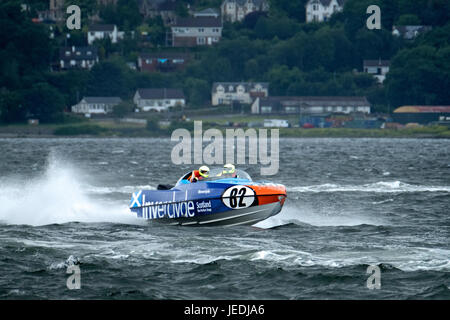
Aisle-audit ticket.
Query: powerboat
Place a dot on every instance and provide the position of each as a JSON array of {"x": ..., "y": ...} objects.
[{"x": 220, "y": 199}]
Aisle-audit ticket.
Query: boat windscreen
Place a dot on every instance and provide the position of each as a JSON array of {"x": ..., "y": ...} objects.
[{"x": 217, "y": 174}]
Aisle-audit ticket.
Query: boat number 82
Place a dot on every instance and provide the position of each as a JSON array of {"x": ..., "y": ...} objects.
[{"x": 238, "y": 197}]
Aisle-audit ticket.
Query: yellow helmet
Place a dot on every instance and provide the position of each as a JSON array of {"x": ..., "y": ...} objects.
[
  {"x": 204, "y": 171},
  {"x": 228, "y": 168}
]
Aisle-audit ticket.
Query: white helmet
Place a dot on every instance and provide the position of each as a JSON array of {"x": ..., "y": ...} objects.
[{"x": 228, "y": 168}]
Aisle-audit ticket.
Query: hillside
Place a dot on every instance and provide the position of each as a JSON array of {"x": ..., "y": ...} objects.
[{"x": 295, "y": 57}]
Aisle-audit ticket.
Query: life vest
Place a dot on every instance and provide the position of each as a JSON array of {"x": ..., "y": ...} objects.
[{"x": 195, "y": 176}]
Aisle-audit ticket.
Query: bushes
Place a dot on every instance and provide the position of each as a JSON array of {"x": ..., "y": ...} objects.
[
  {"x": 122, "y": 109},
  {"x": 71, "y": 118}
]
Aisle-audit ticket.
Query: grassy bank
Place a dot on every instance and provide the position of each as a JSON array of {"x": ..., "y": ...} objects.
[
  {"x": 114, "y": 129},
  {"x": 425, "y": 132}
]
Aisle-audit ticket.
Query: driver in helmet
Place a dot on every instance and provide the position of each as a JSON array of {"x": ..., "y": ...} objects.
[
  {"x": 229, "y": 170},
  {"x": 200, "y": 174}
]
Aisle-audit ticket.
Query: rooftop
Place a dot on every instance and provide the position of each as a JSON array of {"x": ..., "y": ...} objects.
[
  {"x": 160, "y": 93},
  {"x": 376, "y": 63},
  {"x": 206, "y": 22},
  {"x": 243, "y": 2},
  {"x": 326, "y": 3},
  {"x": 423, "y": 109},
  {"x": 102, "y": 99},
  {"x": 247, "y": 85},
  {"x": 318, "y": 100},
  {"x": 102, "y": 27},
  {"x": 164, "y": 55},
  {"x": 207, "y": 12},
  {"x": 78, "y": 53}
]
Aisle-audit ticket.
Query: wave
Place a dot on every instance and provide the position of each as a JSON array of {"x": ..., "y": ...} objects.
[
  {"x": 409, "y": 263},
  {"x": 290, "y": 258},
  {"x": 378, "y": 187}
]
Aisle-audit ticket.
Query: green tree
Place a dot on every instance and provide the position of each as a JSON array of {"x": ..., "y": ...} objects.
[
  {"x": 128, "y": 12},
  {"x": 125, "y": 14},
  {"x": 408, "y": 20},
  {"x": 419, "y": 76},
  {"x": 107, "y": 79},
  {"x": 122, "y": 109},
  {"x": 44, "y": 102},
  {"x": 198, "y": 91},
  {"x": 294, "y": 9},
  {"x": 12, "y": 108}
]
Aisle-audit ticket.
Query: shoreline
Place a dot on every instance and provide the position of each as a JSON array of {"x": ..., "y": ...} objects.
[
  {"x": 416, "y": 133},
  {"x": 115, "y": 129}
]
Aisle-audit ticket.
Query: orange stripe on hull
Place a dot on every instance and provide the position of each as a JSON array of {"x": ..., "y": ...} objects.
[{"x": 268, "y": 194}]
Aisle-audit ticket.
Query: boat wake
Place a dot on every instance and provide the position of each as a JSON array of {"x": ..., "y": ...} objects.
[
  {"x": 378, "y": 187},
  {"x": 304, "y": 214}
]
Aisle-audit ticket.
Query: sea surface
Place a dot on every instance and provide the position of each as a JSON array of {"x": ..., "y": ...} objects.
[{"x": 351, "y": 203}]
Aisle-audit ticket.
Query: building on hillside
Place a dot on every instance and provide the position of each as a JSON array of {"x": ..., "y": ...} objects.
[
  {"x": 409, "y": 32},
  {"x": 236, "y": 10},
  {"x": 162, "y": 61},
  {"x": 378, "y": 68},
  {"x": 96, "y": 105},
  {"x": 77, "y": 57},
  {"x": 149, "y": 8},
  {"x": 238, "y": 92},
  {"x": 310, "y": 105},
  {"x": 421, "y": 114},
  {"x": 104, "y": 31},
  {"x": 322, "y": 10},
  {"x": 151, "y": 99},
  {"x": 56, "y": 11},
  {"x": 166, "y": 9},
  {"x": 191, "y": 31}
]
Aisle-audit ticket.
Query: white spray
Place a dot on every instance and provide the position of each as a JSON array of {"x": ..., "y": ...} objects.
[{"x": 58, "y": 196}]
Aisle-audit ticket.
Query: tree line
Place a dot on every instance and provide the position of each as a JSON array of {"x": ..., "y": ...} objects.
[{"x": 278, "y": 47}]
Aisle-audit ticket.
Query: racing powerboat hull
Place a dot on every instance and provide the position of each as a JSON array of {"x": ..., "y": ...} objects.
[
  {"x": 247, "y": 216},
  {"x": 226, "y": 201}
]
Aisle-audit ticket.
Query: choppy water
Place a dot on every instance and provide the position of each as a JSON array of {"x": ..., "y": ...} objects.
[{"x": 351, "y": 203}]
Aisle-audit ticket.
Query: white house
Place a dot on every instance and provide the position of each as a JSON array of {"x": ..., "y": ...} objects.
[
  {"x": 103, "y": 31},
  {"x": 158, "y": 99},
  {"x": 96, "y": 105},
  {"x": 321, "y": 10},
  {"x": 236, "y": 10},
  {"x": 241, "y": 92},
  {"x": 378, "y": 68}
]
